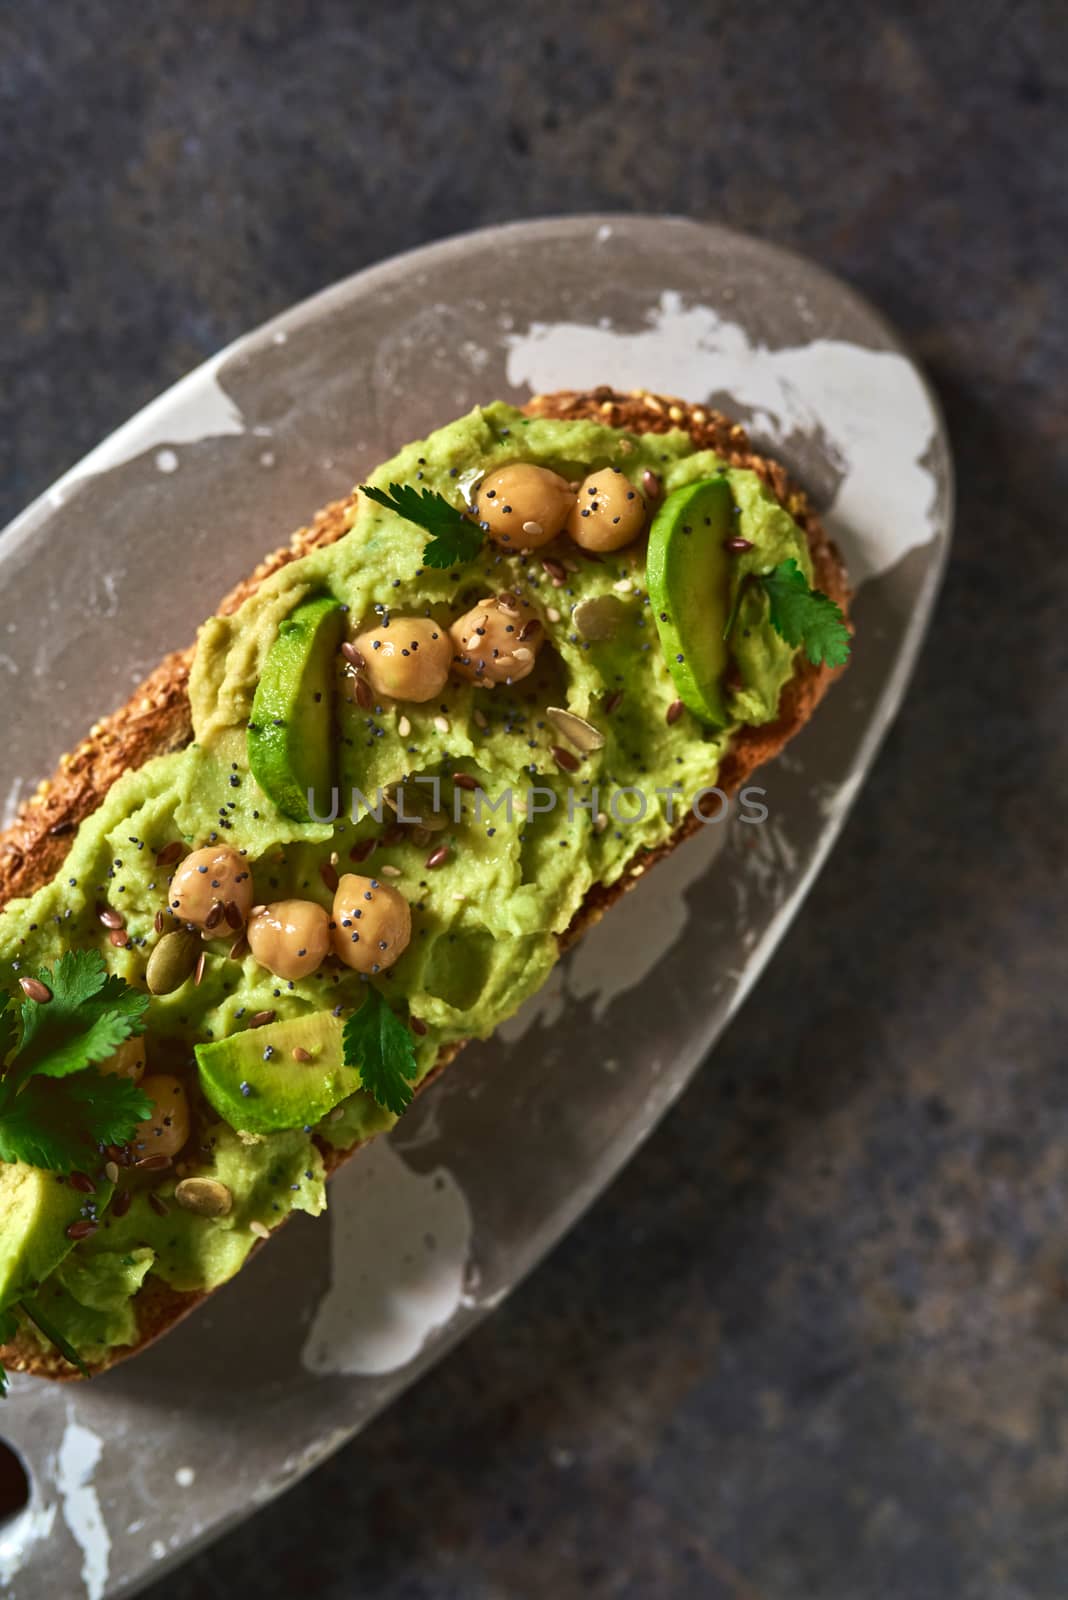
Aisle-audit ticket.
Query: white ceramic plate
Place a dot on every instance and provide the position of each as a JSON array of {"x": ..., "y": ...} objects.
[{"x": 428, "y": 1231}]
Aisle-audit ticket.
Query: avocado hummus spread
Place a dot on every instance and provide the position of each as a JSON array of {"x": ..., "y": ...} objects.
[{"x": 326, "y": 888}]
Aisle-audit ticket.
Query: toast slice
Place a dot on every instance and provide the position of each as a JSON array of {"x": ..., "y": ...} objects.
[{"x": 157, "y": 719}]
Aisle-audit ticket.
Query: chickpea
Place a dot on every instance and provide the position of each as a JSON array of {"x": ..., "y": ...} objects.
[
  {"x": 372, "y": 923},
  {"x": 608, "y": 512},
  {"x": 128, "y": 1060},
  {"x": 497, "y": 641},
  {"x": 523, "y": 506},
  {"x": 290, "y": 937},
  {"x": 167, "y": 1129},
  {"x": 409, "y": 660},
  {"x": 215, "y": 877}
]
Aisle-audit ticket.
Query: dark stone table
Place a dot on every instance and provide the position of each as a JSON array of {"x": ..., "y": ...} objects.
[{"x": 815, "y": 1340}]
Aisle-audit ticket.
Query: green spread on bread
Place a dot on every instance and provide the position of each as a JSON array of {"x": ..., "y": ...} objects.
[{"x": 415, "y": 751}]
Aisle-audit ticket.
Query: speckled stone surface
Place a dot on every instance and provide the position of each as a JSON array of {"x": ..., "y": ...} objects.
[{"x": 814, "y": 1342}]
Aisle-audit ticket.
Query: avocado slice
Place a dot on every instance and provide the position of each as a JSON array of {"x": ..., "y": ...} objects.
[
  {"x": 688, "y": 572},
  {"x": 258, "y": 1085},
  {"x": 36, "y": 1209},
  {"x": 290, "y": 748}
]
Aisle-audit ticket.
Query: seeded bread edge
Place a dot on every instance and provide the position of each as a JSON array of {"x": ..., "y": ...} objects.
[{"x": 157, "y": 719}]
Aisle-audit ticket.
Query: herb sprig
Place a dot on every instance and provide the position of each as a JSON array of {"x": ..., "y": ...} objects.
[
  {"x": 454, "y": 538},
  {"x": 54, "y": 1104},
  {"x": 799, "y": 614},
  {"x": 382, "y": 1050},
  {"x": 53, "y": 1101}
]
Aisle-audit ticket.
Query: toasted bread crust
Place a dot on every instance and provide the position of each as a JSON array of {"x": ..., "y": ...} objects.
[{"x": 157, "y": 719}]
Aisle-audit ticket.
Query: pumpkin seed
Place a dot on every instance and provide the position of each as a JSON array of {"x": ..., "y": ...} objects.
[
  {"x": 172, "y": 961},
  {"x": 600, "y": 618},
  {"x": 206, "y": 1196},
  {"x": 576, "y": 730},
  {"x": 415, "y": 803}
]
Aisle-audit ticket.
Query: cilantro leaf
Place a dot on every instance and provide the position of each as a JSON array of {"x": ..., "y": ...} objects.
[
  {"x": 53, "y": 1105},
  {"x": 454, "y": 549},
  {"x": 801, "y": 615},
  {"x": 9, "y": 1031},
  {"x": 454, "y": 540},
  {"x": 77, "y": 977},
  {"x": 73, "y": 1053},
  {"x": 382, "y": 1050},
  {"x": 89, "y": 1016},
  {"x": 56, "y": 1125},
  {"x": 116, "y": 995},
  {"x": 35, "y": 1129},
  {"x": 109, "y": 1106}
]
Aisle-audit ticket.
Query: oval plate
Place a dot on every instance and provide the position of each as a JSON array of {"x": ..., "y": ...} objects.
[{"x": 428, "y": 1231}]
